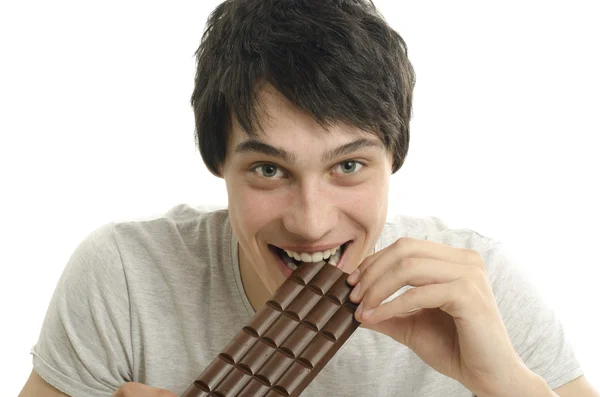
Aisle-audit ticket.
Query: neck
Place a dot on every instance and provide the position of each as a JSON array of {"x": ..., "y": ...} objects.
[{"x": 253, "y": 286}]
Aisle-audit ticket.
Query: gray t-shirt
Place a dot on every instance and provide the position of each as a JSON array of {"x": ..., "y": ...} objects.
[{"x": 154, "y": 301}]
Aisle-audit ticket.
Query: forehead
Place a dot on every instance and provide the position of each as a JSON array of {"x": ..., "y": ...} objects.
[{"x": 280, "y": 121}]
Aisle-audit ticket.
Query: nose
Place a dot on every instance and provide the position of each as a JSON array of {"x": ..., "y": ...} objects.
[{"x": 312, "y": 212}]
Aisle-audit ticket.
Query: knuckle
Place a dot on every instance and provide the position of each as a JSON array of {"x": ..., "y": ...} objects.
[
  {"x": 399, "y": 271},
  {"x": 411, "y": 293},
  {"x": 402, "y": 241},
  {"x": 474, "y": 258},
  {"x": 366, "y": 275},
  {"x": 367, "y": 262},
  {"x": 470, "y": 288},
  {"x": 367, "y": 297},
  {"x": 371, "y": 296},
  {"x": 406, "y": 263},
  {"x": 480, "y": 275},
  {"x": 369, "y": 275},
  {"x": 403, "y": 268}
]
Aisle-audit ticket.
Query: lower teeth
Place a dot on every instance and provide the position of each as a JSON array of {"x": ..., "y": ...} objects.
[{"x": 291, "y": 265}]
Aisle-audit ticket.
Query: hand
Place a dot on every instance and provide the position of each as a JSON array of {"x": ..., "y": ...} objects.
[
  {"x": 134, "y": 389},
  {"x": 449, "y": 319}
]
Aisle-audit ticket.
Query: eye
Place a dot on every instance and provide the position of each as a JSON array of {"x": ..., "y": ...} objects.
[
  {"x": 349, "y": 166},
  {"x": 268, "y": 171}
]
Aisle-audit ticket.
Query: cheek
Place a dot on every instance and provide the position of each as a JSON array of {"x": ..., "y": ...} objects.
[
  {"x": 365, "y": 207},
  {"x": 253, "y": 208},
  {"x": 367, "y": 203}
]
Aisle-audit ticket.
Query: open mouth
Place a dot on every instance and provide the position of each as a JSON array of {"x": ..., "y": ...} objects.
[{"x": 293, "y": 260}]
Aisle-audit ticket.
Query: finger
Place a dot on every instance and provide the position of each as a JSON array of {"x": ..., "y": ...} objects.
[
  {"x": 406, "y": 247},
  {"x": 366, "y": 263},
  {"x": 414, "y": 272},
  {"x": 410, "y": 247},
  {"x": 389, "y": 264},
  {"x": 449, "y": 297},
  {"x": 375, "y": 268}
]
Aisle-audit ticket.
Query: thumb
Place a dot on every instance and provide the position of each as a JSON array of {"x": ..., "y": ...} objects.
[
  {"x": 135, "y": 389},
  {"x": 395, "y": 327}
]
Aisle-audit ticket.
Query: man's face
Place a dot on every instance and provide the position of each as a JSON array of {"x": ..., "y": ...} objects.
[{"x": 305, "y": 190}]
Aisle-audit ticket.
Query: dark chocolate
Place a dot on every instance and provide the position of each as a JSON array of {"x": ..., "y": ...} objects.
[{"x": 288, "y": 341}]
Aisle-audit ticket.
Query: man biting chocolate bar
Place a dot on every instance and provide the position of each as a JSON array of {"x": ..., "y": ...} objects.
[{"x": 303, "y": 107}]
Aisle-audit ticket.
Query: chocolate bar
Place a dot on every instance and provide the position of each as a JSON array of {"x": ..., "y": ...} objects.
[{"x": 288, "y": 341}]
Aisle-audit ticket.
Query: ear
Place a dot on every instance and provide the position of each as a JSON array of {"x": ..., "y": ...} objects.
[{"x": 219, "y": 173}]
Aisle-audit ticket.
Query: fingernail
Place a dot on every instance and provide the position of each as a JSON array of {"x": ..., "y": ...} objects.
[
  {"x": 355, "y": 292},
  {"x": 353, "y": 277},
  {"x": 359, "y": 310}
]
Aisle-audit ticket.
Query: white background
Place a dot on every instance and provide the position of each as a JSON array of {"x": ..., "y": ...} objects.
[{"x": 96, "y": 126}]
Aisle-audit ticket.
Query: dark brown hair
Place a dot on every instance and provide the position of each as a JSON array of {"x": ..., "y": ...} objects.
[{"x": 336, "y": 60}]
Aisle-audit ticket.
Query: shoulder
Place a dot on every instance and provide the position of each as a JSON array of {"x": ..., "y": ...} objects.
[
  {"x": 183, "y": 223},
  {"x": 161, "y": 238}
]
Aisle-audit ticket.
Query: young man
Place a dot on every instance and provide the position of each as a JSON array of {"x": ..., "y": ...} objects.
[{"x": 303, "y": 108}]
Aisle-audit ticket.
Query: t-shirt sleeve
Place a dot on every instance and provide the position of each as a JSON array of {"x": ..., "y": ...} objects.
[
  {"x": 84, "y": 346},
  {"x": 534, "y": 329}
]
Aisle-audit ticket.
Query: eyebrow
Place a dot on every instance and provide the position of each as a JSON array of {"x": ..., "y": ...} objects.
[{"x": 258, "y": 146}]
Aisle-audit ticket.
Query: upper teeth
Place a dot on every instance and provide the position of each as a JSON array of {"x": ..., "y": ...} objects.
[{"x": 314, "y": 257}]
